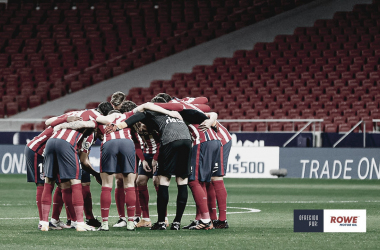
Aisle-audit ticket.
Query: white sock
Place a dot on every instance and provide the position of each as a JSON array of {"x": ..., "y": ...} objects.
[
  {"x": 146, "y": 219},
  {"x": 166, "y": 218},
  {"x": 205, "y": 220}
]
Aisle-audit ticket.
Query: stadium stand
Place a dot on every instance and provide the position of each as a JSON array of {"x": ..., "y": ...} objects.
[
  {"x": 326, "y": 71},
  {"x": 51, "y": 49},
  {"x": 329, "y": 71}
]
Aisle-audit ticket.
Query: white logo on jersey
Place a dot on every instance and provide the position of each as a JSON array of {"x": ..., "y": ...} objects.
[{"x": 171, "y": 119}]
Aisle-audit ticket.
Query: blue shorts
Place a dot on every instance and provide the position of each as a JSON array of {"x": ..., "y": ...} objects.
[
  {"x": 223, "y": 160},
  {"x": 34, "y": 166},
  {"x": 61, "y": 160},
  {"x": 118, "y": 156},
  {"x": 86, "y": 177},
  {"x": 148, "y": 158},
  {"x": 205, "y": 158}
]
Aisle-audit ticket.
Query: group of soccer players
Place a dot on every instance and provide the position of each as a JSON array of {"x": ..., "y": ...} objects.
[{"x": 169, "y": 136}]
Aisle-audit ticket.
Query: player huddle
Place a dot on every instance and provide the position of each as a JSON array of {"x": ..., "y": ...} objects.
[{"x": 168, "y": 136}]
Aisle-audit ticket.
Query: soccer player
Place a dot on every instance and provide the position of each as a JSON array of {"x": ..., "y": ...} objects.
[
  {"x": 205, "y": 157},
  {"x": 117, "y": 100},
  {"x": 117, "y": 149},
  {"x": 83, "y": 151},
  {"x": 34, "y": 162},
  {"x": 149, "y": 160},
  {"x": 61, "y": 157},
  {"x": 149, "y": 155},
  {"x": 216, "y": 189}
]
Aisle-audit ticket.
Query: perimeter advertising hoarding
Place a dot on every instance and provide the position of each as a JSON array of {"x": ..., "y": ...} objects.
[
  {"x": 256, "y": 162},
  {"x": 12, "y": 159},
  {"x": 331, "y": 163},
  {"x": 252, "y": 162}
]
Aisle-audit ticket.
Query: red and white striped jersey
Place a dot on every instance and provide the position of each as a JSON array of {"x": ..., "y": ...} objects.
[
  {"x": 73, "y": 136},
  {"x": 121, "y": 134},
  {"x": 196, "y": 133},
  {"x": 151, "y": 142},
  {"x": 195, "y": 100},
  {"x": 86, "y": 142},
  {"x": 38, "y": 143},
  {"x": 223, "y": 134}
]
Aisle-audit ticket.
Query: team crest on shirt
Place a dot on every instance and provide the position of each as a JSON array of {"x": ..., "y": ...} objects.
[{"x": 86, "y": 145}]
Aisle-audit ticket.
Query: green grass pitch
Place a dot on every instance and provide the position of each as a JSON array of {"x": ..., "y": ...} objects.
[{"x": 271, "y": 228}]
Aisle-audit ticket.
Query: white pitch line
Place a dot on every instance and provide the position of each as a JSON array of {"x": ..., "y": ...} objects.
[
  {"x": 296, "y": 202},
  {"x": 247, "y": 210}
]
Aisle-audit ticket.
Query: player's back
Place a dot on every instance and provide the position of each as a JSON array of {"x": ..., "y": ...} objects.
[
  {"x": 121, "y": 134},
  {"x": 170, "y": 129},
  {"x": 38, "y": 143},
  {"x": 73, "y": 136},
  {"x": 198, "y": 135}
]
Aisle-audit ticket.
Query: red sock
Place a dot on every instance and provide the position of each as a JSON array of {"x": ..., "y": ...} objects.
[
  {"x": 203, "y": 185},
  {"x": 144, "y": 200},
  {"x": 130, "y": 201},
  {"x": 200, "y": 198},
  {"x": 221, "y": 197},
  {"x": 87, "y": 199},
  {"x": 211, "y": 201},
  {"x": 156, "y": 187},
  {"x": 138, "y": 205},
  {"x": 57, "y": 204},
  {"x": 105, "y": 202},
  {"x": 198, "y": 214},
  {"x": 120, "y": 201},
  {"x": 39, "y": 191},
  {"x": 67, "y": 197},
  {"x": 78, "y": 201},
  {"x": 46, "y": 201},
  {"x": 68, "y": 213}
]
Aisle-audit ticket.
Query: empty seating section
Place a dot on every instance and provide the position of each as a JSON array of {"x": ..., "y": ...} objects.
[
  {"x": 61, "y": 47},
  {"x": 329, "y": 71}
]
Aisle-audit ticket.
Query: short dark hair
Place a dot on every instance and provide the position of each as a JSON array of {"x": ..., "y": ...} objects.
[
  {"x": 117, "y": 98},
  {"x": 165, "y": 96},
  {"x": 158, "y": 99},
  {"x": 104, "y": 108},
  {"x": 127, "y": 106}
]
